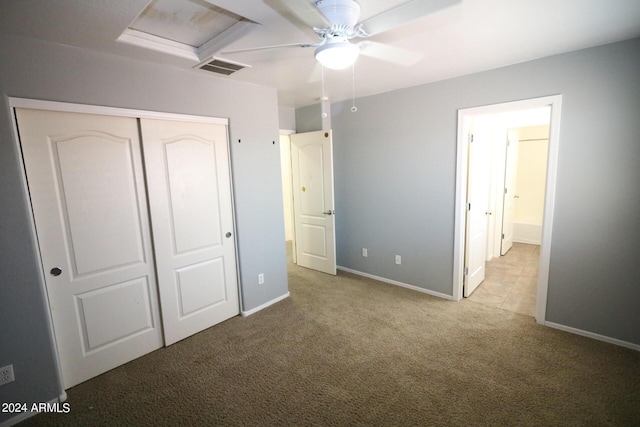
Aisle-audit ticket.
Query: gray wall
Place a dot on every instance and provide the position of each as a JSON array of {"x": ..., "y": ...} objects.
[
  {"x": 40, "y": 70},
  {"x": 309, "y": 118},
  {"x": 287, "y": 118},
  {"x": 395, "y": 171}
]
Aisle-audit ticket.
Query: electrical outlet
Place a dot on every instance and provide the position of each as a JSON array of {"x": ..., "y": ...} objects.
[
  {"x": 260, "y": 278},
  {"x": 398, "y": 259},
  {"x": 364, "y": 252},
  {"x": 6, "y": 374}
]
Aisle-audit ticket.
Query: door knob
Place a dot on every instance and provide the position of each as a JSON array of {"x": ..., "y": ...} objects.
[
  {"x": 329, "y": 212},
  {"x": 55, "y": 271},
  {"x": 228, "y": 234}
]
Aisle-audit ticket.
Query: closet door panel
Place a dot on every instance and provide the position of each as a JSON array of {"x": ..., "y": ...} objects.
[
  {"x": 188, "y": 178},
  {"x": 85, "y": 180}
]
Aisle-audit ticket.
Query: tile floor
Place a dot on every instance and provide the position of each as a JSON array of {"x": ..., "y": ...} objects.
[{"x": 511, "y": 280}]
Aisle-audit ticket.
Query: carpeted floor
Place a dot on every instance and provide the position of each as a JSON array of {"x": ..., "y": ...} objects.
[{"x": 346, "y": 350}]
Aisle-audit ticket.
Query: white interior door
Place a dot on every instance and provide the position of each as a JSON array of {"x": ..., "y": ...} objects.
[
  {"x": 477, "y": 208},
  {"x": 187, "y": 166},
  {"x": 510, "y": 181},
  {"x": 314, "y": 215},
  {"x": 87, "y": 192}
]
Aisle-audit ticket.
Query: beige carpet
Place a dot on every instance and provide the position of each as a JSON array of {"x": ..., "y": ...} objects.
[{"x": 346, "y": 350}]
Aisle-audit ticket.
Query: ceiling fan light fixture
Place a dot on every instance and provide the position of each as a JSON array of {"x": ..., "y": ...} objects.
[{"x": 338, "y": 54}]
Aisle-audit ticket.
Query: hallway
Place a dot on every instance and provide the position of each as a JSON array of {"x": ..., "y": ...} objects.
[{"x": 511, "y": 280}]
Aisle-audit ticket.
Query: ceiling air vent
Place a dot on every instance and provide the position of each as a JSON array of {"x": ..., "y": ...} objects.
[{"x": 220, "y": 66}]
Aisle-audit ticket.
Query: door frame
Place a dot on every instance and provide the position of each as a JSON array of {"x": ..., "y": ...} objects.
[
  {"x": 287, "y": 133},
  {"x": 36, "y": 104},
  {"x": 464, "y": 115},
  {"x": 510, "y": 185}
]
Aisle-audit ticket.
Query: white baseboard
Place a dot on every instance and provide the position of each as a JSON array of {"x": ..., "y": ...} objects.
[
  {"x": 263, "y": 306},
  {"x": 569, "y": 329},
  {"x": 396, "y": 283},
  {"x": 527, "y": 233},
  {"x": 528, "y": 242},
  {"x": 598, "y": 337},
  {"x": 15, "y": 420},
  {"x": 24, "y": 415}
]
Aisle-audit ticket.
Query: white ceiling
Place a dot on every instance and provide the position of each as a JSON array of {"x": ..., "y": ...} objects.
[{"x": 472, "y": 36}]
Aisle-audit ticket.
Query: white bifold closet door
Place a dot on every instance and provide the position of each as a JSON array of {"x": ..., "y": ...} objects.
[
  {"x": 187, "y": 168},
  {"x": 87, "y": 186}
]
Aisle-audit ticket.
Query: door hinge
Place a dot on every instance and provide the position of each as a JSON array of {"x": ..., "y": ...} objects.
[
  {"x": 466, "y": 271},
  {"x": 470, "y": 138},
  {"x": 469, "y": 207},
  {"x": 505, "y": 190},
  {"x": 503, "y": 235}
]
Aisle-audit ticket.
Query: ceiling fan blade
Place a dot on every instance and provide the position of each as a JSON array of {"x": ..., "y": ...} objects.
[
  {"x": 385, "y": 52},
  {"x": 403, "y": 14},
  {"x": 275, "y": 46},
  {"x": 300, "y": 10}
]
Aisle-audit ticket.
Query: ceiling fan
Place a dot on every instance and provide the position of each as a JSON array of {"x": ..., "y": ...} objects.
[{"x": 336, "y": 23}]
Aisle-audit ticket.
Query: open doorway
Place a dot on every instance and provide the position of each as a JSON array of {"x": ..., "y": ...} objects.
[
  {"x": 515, "y": 210},
  {"x": 482, "y": 216}
]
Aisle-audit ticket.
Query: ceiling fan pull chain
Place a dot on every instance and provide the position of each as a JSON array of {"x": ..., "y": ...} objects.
[
  {"x": 323, "y": 98},
  {"x": 353, "y": 88},
  {"x": 322, "y": 78}
]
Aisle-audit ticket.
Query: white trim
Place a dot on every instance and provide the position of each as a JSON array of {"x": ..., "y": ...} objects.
[
  {"x": 33, "y": 236},
  {"x": 24, "y": 415},
  {"x": 265, "y": 305},
  {"x": 20, "y": 417},
  {"x": 288, "y": 133},
  {"x": 36, "y": 104},
  {"x": 460, "y": 207},
  {"x": 598, "y": 337},
  {"x": 555, "y": 102},
  {"x": 527, "y": 241},
  {"x": 159, "y": 44},
  {"x": 396, "y": 283},
  {"x": 549, "y": 207}
]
